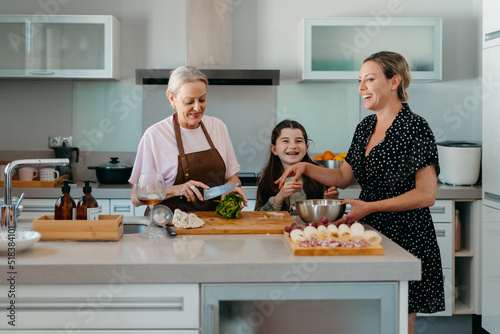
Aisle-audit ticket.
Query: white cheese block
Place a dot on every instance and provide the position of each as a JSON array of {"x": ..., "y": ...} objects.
[
  {"x": 186, "y": 220},
  {"x": 357, "y": 231}
]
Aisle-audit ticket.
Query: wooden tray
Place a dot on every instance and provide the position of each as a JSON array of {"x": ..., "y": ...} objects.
[
  {"x": 324, "y": 250},
  {"x": 107, "y": 228},
  {"x": 249, "y": 222},
  {"x": 37, "y": 183}
]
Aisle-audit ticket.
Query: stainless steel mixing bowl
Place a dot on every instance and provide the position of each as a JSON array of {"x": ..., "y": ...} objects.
[{"x": 313, "y": 210}]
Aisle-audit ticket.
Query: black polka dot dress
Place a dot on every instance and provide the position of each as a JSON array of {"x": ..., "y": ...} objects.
[{"x": 389, "y": 171}]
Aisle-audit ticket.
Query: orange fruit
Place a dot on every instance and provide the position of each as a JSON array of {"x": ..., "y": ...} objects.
[
  {"x": 318, "y": 157},
  {"x": 328, "y": 155}
]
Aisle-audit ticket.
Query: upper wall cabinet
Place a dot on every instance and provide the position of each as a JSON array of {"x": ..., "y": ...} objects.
[
  {"x": 333, "y": 49},
  {"x": 59, "y": 46}
]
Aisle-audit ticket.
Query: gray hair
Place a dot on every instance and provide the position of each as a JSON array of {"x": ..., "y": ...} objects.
[{"x": 183, "y": 74}]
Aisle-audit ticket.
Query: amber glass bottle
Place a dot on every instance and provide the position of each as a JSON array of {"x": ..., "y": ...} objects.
[
  {"x": 65, "y": 206},
  {"x": 87, "y": 201}
]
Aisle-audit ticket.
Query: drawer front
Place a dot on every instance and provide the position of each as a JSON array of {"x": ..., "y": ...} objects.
[
  {"x": 37, "y": 207},
  {"x": 445, "y": 241},
  {"x": 104, "y": 207},
  {"x": 442, "y": 211},
  {"x": 117, "y": 305}
]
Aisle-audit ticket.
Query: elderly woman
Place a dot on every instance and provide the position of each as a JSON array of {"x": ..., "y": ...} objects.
[{"x": 191, "y": 150}]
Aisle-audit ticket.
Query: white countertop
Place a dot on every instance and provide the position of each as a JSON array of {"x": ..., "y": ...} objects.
[{"x": 199, "y": 259}]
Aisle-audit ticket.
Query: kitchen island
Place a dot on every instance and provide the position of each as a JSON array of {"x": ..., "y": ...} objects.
[{"x": 129, "y": 275}]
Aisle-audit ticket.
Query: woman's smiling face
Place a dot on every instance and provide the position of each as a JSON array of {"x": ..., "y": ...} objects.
[
  {"x": 190, "y": 103},
  {"x": 374, "y": 87}
]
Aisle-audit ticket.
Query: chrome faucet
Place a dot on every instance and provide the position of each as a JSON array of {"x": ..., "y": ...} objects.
[{"x": 8, "y": 210}]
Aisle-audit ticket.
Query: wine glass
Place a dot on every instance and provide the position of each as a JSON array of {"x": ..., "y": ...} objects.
[{"x": 151, "y": 190}]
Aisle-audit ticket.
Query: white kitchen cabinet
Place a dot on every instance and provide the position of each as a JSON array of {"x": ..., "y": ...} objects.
[
  {"x": 491, "y": 23},
  {"x": 460, "y": 268},
  {"x": 59, "y": 46},
  {"x": 104, "y": 206},
  {"x": 490, "y": 269},
  {"x": 333, "y": 49},
  {"x": 117, "y": 307}
]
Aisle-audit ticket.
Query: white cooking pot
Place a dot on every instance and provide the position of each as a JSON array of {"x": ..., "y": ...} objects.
[{"x": 460, "y": 162}]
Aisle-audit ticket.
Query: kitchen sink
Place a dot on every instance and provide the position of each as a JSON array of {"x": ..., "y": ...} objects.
[{"x": 134, "y": 228}]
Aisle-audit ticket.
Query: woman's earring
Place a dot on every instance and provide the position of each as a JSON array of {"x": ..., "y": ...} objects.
[{"x": 173, "y": 107}]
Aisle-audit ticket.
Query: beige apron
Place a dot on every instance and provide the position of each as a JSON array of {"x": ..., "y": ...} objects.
[{"x": 204, "y": 166}]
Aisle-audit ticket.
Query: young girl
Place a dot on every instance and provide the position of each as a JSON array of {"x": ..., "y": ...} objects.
[{"x": 289, "y": 144}]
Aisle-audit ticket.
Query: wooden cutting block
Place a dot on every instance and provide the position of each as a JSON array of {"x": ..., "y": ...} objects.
[
  {"x": 249, "y": 222},
  {"x": 376, "y": 249},
  {"x": 107, "y": 228}
]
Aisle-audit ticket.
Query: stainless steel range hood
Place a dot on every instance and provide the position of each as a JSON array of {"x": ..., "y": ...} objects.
[
  {"x": 208, "y": 47},
  {"x": 215, "y": 77}
]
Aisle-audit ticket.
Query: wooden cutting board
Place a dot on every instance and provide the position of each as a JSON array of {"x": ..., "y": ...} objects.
[
  {"x": 324, "y": 250},
  {"x": 249, "y": 222}
]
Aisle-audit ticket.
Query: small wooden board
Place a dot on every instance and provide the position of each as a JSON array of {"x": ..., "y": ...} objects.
[
  {"x": 324, "y": 250},
  {"x": 107, "y": 228},
  {"x": 37, "y": 183},
  {"x": 249, "y": 222}
]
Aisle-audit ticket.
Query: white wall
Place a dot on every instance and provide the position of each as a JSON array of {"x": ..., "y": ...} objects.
[{"x": 264, "y": 35}]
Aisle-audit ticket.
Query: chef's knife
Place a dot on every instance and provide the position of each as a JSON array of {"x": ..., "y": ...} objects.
[
  {"x": 219, "y": 190},
  {"x": 171, "y": 230}
]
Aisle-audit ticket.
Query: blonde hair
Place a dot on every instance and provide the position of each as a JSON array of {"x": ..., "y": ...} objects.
[
  {"x": 183, "y": 74},
  {"x": 392, "y": 64}
]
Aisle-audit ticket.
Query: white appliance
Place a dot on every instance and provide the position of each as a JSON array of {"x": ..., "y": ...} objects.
[
  {"x": 459, "y": 162},
  {"x": 490, "y": 266}
]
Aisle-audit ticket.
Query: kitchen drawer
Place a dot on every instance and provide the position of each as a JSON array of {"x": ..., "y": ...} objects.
[
  {"x": 121, "y": 207},
  {"x": 442, "y": 211},
  {"x": 104, "y": 206},
  {"x": 445, "y": 241},
  {"x": 117, "y": 305},
  {"x": 36, "y": 207}
]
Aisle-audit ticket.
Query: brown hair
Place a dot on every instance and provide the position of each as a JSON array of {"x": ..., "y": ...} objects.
[
  {"x": 274, "y": 168},
  {"x": 392, "y": 64}
]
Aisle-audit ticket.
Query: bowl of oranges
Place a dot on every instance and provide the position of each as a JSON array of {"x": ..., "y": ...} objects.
[{"x": 330, "y": 160}]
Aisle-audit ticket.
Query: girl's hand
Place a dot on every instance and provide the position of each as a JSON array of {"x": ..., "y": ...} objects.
[
  {"x": 359, "y": 209},
  {"x": 294, "y": 170},
  {"x": 288, "y": 189},
  {"x": 332, "y": 193}
]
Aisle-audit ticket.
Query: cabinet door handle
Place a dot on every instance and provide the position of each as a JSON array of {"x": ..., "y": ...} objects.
[
  {"x": 82, "y": 303},
  {"x": 42, "y": 72},
  {"x": 438, "y": 209},
  {"x": 492, "y": 197},
  {"x": 211, "y": 319},
  {"x": 35, "y": 208},
  {"x": 121, "y": 208},
  {"x": 492, "y": 35},
  {"x": 440, "y": 233}
]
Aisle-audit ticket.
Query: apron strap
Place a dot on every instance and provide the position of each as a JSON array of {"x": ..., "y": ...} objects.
[{"x": 180, "y": 147}]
